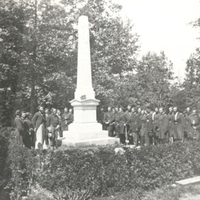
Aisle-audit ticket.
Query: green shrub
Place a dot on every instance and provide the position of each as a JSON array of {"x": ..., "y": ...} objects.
[
  {"x": 98, "y": 170},
  {"x": 153, "y": 167},
  {"x": 5, "y": 135},
  {"x": 106, "y": 173}
]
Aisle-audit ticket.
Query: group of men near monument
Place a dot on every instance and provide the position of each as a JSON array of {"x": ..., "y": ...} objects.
[
  {"x": 43, "y": 130},
  {"x": 151, "y": 127},
  {"x": 134, "y": 126}
]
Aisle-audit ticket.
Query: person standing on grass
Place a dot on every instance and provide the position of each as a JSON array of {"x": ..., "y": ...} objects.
[
  {"x": 162, "y": 126},
  {"x": 134, "y": 126},
  {"x": 117, "y": 122},
  {"x": 67, "y": 119},
  {"x": 27, "y": 126},
  {"x": 155, "y": 117},
  {"x": 38, "y": 121},
  {"x": 100, "y": 112},
  {"x": 143, "y": 127},
  {"x": 170, "y": 124},
  {"x": 19, "y": 128},
  {"x": 149, "y": 128},
  {"x": 195, "y": 125},
  {"x": 30, "y": 129},
  {"x": 71, "y": 116},
  {"x": 58, "y": 113},
  {"x": 46, "y": 142},
  {"x": 109, "y": 121},
  {"x": 53, "y": 127},
  {"x": 121, "y": 125},
  {"x": 178, "y": 125},
  {"x": 127, "y": 115},
  {"x": 46, "y": 112},
  {"x": 187, "y": 124},
  {"x": 64, "y": 123}
]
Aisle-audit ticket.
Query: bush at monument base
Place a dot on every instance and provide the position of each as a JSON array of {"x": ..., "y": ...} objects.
[{"x": 98, "y": 170}]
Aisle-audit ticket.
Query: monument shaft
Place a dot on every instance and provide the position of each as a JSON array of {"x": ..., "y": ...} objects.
[{"x": 84, "y": 73}]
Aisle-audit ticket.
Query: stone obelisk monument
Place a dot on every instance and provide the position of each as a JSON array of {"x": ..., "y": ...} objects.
[{"x": 85, "y": 130}]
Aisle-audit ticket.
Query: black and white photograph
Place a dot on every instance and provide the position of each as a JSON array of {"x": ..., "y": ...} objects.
[{"x": 99, "y": 99}]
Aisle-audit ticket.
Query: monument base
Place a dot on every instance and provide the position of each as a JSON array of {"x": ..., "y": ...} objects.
[
  {"x": 88, "y": 142},
  {"x": 82, "y": 138}
]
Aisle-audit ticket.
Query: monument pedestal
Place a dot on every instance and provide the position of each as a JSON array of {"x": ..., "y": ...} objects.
[{"x": 85, "y": 130}]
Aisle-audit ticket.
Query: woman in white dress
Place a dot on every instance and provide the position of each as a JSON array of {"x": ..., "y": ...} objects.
[{"x": 39, "y": 127}]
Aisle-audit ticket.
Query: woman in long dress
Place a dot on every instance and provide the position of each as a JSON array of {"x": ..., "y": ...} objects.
[
  {"x": 178, "y": 125},
  {"x": 39, "y": 127}
]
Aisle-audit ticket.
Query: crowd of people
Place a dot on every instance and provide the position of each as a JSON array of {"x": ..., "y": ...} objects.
[
  {"x": 134, "y": 126},
  {"x": 151, "y": 127},
  {"x": 43, "y": 130}
]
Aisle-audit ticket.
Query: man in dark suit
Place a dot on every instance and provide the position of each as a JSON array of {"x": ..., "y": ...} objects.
[
  {"x": 127, "y": 116},
  {"x": 31, "y": 129},
  {"x": 162, "y": 126},
  {"x": 120, "y": 120},
  {"x": 155, "y": 116},
  {"x": 187, "y": 124},
  {"x": 149, "y": 128},
  {"x": 53, "y": 125},
  {"x": 134, "y": 126},
  {"x": 27, "y": 126},
  {"x": 170, "y": 124},
  {"x": 194, "y": 125},
  {"x": 109, "y": 121},
  {"x": 19, "y": 128}
]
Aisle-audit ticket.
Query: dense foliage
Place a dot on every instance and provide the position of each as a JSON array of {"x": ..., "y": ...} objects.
[
  {"x": 96, "y": 171},
  {"x": 38, "y": 57}
]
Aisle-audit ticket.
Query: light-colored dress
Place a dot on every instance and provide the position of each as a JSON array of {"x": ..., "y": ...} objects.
[{"x": 39, "y": 137}]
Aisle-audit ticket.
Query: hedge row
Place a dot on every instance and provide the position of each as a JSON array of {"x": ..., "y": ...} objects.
[
  {"x": 5, "y": 172},
  {"x": 98, "y": 170}
]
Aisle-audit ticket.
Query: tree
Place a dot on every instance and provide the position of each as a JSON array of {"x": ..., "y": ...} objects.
[
  {"x": 43, "y": 60},
  {"x": 192, "y": 81},
  {"x": 149, "y": 83},
  {"x": 11, "y": 37}
]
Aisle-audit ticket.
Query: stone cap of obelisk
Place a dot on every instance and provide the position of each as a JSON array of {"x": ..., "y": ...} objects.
[{"x": 84, "y": 88}]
